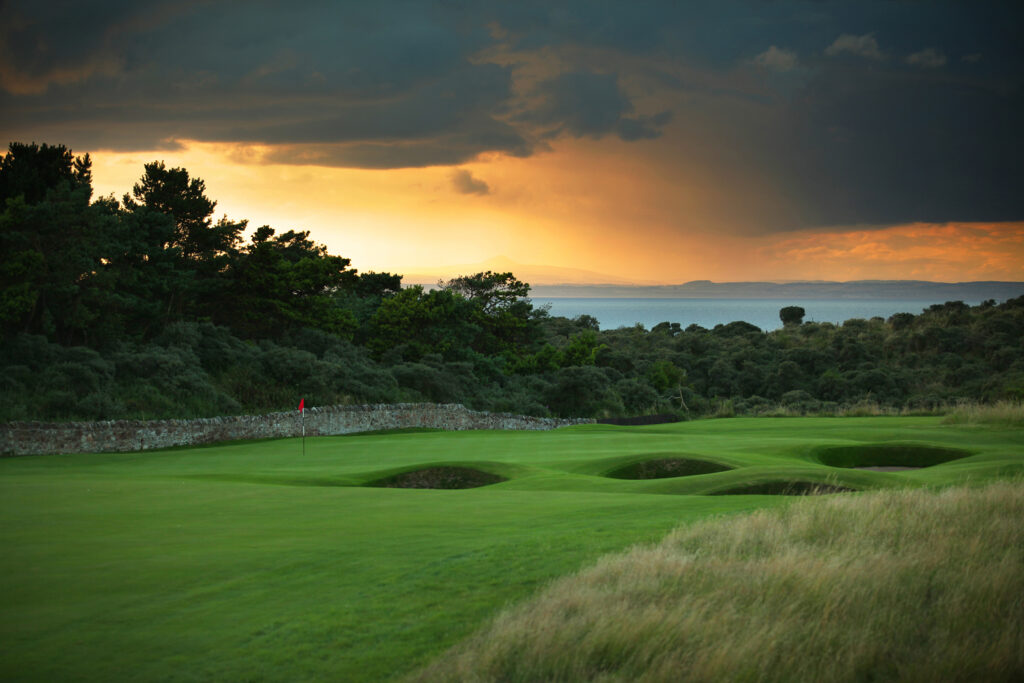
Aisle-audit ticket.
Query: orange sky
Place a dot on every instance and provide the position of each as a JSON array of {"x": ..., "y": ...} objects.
[
  {"x": 582, "y": 204},
  {"x": 653, "y": 142}
]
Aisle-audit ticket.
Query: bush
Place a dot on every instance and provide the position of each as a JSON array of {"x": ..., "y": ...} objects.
[
  {"x": 581, "y": 391},
  {"x": 637, "y": 397},
  {"x": 446, "y": 384}
]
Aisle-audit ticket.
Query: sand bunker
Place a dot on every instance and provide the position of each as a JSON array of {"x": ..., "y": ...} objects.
[
  {"x": 442, "y": 477},
  {"x": 663, "y": 468},
  {"x": 783, "y": 488},
  {"x": 888, "y": 455}
]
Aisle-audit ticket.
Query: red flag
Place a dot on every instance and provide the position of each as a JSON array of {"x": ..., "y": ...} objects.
[{"x": 302, "y": 405}]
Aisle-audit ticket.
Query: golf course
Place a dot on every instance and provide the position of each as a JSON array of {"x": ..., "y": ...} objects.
[{"x": 372, "y": 556}]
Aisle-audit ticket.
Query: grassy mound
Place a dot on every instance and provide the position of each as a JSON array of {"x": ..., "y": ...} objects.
[
  {"x": 783, "y": 488},
  {"x": 888, "y": 455},
  {"x": 439, "y": 477},
  {"x": 663, "y": 468},
  {"x": 872, "y": 587}
]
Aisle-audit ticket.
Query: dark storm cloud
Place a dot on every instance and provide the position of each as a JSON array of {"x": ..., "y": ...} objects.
[
  {"x": 381, "y": 85},
  {"x": 885, "y": 146},
  {"x": 383, "y": 79},
  {"x": 854, "y": 112},
  {"x": 585, "y": 104}
]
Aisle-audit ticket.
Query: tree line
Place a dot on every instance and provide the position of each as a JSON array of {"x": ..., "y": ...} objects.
[{"x": 147, "y": 306}]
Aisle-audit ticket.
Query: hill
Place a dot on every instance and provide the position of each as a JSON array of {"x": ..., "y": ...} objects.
[
  {"x": 857, "y": 289},
  {"x": 535, "y": 274}
]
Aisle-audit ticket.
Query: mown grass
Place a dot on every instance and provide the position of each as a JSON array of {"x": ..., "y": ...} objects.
[
  {"x": 892, "y": 585},
  {"x": 247, "y": 561}
]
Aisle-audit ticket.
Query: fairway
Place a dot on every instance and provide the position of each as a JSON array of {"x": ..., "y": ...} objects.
[{"x": 248, "y": 561}]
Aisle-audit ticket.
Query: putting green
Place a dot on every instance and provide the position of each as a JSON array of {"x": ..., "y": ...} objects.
[{"x": 248, "y": 561}]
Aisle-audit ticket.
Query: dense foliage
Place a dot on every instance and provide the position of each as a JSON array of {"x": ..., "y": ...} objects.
[{"x": 148, "y": 307}]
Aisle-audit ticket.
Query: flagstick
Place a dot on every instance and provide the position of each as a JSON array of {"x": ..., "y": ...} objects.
[{"x": 303, "y": 433}]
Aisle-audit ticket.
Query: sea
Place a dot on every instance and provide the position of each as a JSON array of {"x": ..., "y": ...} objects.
[{"x": 613, "y": 313}]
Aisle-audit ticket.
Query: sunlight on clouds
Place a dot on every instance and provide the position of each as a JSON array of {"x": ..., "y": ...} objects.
[
  {"x": 379, "y": 219},
  {"x": 581, "y": 205},
  {"x": 922, "y": 251},
  {"x": 19, "y": 83}
]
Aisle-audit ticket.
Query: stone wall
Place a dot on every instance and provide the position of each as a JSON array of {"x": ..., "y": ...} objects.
[{"x": 41, "y": 438}]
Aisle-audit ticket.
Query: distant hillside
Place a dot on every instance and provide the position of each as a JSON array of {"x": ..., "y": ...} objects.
[
  {"x": 857, "y": 289},
  {"x": 557, "y": 281},
  {"x": 535, "y": 274}
]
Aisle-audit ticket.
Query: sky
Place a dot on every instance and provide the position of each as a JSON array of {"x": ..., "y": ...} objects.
[{"x": 651, "y": 142}]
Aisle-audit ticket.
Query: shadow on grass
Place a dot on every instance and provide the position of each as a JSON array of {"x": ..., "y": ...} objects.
[
  {"x": 783, "y": 488},
  {"x": 664, "y": 468},
  {"x": 888, "y": 455},
  {"x": 439, "y": 477}
]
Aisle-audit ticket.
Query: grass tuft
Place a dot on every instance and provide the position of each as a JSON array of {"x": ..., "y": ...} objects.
[
  {"x": 1003, "y": 413},
  {"x": 894, "y": 585}
]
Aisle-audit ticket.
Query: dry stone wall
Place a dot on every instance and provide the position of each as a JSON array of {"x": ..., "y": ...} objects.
[{"x": 40, "y": 438}]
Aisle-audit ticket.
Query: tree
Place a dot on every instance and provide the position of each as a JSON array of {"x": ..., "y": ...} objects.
[
  {"x": 362, "y": 294},
  {"x": 415, "y": 323},
  {"x": 580, "y": 391},
  {"x": 581, "y": 349},
  {"x": 171, "y": 191},
  {"x": 901, "y": 321},
  {"x": 52, "y": 242},
  {"x": 671, "y": 329},
  {"x": 792, "y": 315},
  {"x": 736, "y": 328},
  {"x": 141, "y": 274},
  {"x": 31, "y": 171},
  {"x": 787, "y": 376},
  {"x": 503, "y": 313},
  {"x": 285, "y": 281},
  {"x": 19, "y": 289},
  {"x": 637, "y": 397},
  {"x": 665, "y": 376},
  {"x": 376, "y": 285},
  {"x": 204, "y": 248},
  {"x": 489, "y": 290}
]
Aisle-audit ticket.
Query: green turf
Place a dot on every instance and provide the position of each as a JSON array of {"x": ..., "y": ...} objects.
[{"x": 249, "y": 562}]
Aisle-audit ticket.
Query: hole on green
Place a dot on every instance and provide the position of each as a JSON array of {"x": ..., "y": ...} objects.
[{"x": 439, "y": 478}]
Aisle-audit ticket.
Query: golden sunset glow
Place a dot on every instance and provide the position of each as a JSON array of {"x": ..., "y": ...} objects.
[
  {"x": 579, "y": 205},
  {"x": 950, "y": 252},
  {"x": 652, "y": 143}
]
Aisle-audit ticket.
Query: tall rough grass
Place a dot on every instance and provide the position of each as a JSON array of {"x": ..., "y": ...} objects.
[
  {"x": 906, "y": 585},
  {"x": 1006, "y": 413}
]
